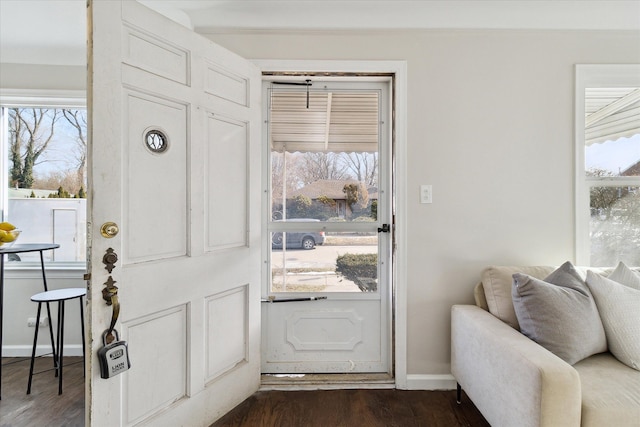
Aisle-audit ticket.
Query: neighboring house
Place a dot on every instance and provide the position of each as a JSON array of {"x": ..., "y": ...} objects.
[
  {"x": 323, "y": 191},
  {"x": 633, "y": 170}
]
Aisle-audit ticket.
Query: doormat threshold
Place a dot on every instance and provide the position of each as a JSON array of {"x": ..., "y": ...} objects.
[{"x": 325, "y": 381}]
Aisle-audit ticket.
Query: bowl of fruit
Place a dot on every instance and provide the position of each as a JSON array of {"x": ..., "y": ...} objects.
[{"x": 8, "y": 235}]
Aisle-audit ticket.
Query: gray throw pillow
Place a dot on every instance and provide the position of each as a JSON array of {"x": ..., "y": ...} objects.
[
  {"x": 619, "y": 307},
  {"x": 559, "y": 313}
]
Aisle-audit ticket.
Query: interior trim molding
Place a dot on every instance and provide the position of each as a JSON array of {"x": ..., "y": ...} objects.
[
  {"x": 399, "y": 71},
  {"x": 430, "y": 382},
  {"x": 25, "y": 350},
  {"x": 43, "y": 98}
]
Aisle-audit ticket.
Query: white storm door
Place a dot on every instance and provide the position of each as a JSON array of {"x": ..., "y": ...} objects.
[
  {"x": 327, "y": 296},
  {"x": 175, "y": 163}
]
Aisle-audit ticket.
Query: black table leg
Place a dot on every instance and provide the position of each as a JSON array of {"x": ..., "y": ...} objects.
[
  {"x": 46, "y": 288},
  {"x": 60, "y": 342}
]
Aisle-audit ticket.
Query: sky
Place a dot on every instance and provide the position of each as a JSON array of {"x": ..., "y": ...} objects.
[
  {"x": 61, "y": 153},
  {"x": 614, "y": 156}
]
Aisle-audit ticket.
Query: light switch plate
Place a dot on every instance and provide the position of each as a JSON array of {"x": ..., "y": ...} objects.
[{"x": 426, "y": 193}]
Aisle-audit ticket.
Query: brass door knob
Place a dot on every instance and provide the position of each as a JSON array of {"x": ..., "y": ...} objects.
[{"x": 109, "y": 230}]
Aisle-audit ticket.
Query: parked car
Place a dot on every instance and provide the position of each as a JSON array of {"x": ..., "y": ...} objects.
[{"x": 298, "y": 239}]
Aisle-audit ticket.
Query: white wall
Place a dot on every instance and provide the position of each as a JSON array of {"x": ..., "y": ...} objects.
[
  {"x": 490, "y": 126},
  {"x": 20, "y": 285},
  {"x": 50, "y": 77}
]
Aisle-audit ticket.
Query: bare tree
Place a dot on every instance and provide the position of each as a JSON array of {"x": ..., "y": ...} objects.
[
  {"x": 615, "y": 232},
  {"x": 316, "y": 166},
  {"x": 364, "y": 167},
  {"x": 602, "y": 198},
  {"x": 31, "y": 131},
  {"x": 78, "y": 119},
  {"x": 69, "y": 180},
  {"x": 282, "y": 169},
  {"x": 615, "y": 222},
  {"x": 278, "y": 173}
]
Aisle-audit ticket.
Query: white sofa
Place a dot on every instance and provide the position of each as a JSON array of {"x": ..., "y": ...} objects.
[{"x": 516, "y": 382}]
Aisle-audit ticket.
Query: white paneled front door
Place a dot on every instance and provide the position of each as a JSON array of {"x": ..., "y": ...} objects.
[{"x": 175, "y": 163}]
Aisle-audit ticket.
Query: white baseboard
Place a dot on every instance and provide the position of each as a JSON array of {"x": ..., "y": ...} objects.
[
  {"x": 430, "y": 382},
  {"x": 25, "y": 351}
]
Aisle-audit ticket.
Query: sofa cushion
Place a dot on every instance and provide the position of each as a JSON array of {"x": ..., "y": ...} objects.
[
  {"x": 619, "y": 307},
  {"x": 610, "y": 392},
  {"x": 479, "y": 297},
  {"x": 497, "y": 282},
  {"x": 559, "y": 313},
  {"x": 626, "y": 276}
]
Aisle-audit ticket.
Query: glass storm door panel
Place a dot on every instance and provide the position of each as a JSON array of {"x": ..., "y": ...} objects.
[{"x": 328, "y": 157}]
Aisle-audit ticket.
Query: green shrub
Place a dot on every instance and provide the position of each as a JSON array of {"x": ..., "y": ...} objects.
[
  {"x": 364, "y": 219},
  {"x": 362, "y": 269}
]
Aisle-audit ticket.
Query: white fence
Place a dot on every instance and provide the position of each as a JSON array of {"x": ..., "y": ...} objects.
[{"x": 61, "y": 221}]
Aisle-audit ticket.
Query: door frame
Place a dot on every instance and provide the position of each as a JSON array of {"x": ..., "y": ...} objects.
[{"x": 399, "y": 184}]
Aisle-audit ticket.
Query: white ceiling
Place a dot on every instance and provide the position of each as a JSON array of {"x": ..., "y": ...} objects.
[{"x": 53, "y": 31}]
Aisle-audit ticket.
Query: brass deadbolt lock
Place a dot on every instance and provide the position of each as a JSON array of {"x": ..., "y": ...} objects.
[{"x": 109, "y": 230}]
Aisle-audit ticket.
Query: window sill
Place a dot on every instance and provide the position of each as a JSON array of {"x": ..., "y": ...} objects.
[{"x": 22, "y": 270}]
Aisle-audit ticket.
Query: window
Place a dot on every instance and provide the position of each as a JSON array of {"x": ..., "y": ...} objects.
[
  {"x": 44, "y": 141},
  {"x": 608, "y": 164}
]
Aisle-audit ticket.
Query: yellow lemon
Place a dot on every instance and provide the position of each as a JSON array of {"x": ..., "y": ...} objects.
[
  {"x": 7, "y": 226},
  {"x": 9, "y": 237},
  {"x": 3, "y": 236}
]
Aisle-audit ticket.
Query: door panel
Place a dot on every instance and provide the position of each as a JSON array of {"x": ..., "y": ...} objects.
[
  {"x": 331, "y": 333},
  {"x": 226, "y": 204},
  {"x": 188, "y": 267},
  {"x": 226, "y": 85},
  {"x": 226, "y": 317},
  {"x": 169, "y": 362},
  {"x": 155, "y": 54},
  {"x": 152, "y": 192}
]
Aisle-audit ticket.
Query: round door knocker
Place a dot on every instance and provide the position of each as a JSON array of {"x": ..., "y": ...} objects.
[{"x": 156, "y": 141}]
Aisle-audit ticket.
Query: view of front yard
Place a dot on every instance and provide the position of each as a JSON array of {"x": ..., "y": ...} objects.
[
  {"x": 615, "y": 225},
  {"x": 344, "y": 263}
]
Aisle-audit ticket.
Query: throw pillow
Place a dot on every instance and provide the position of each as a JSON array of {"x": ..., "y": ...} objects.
[
  {"x": 619, "y": 308},
  {"x": 626, "y": 276},
  {"x": 497, "y": 282},
  {"x": 559, "y": 313}
]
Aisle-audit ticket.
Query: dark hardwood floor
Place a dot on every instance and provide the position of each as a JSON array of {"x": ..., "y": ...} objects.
[
  {"x": 317, "y": 408},
  {"x": 353, "y": 408},
  {"x": 43, "y": 407}
]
